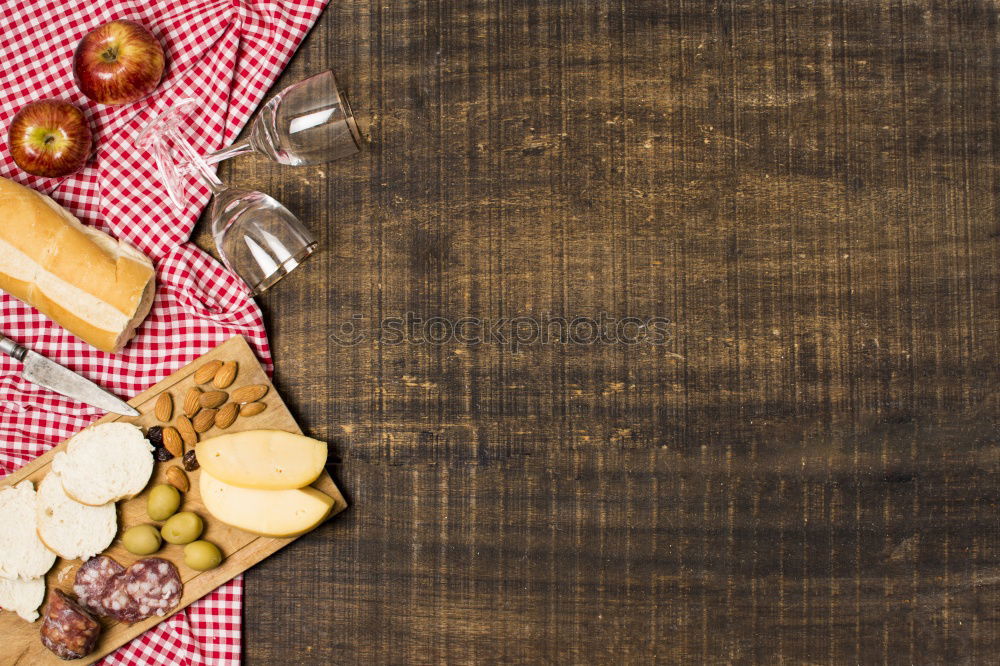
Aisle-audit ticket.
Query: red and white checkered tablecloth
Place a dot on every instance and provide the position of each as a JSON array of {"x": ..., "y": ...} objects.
[{"x": 225, "y": 53}]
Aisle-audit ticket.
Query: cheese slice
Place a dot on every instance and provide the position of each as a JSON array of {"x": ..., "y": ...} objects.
[
  {"x": 273, "y": 513},
  {"x": 263, "y": 459}
]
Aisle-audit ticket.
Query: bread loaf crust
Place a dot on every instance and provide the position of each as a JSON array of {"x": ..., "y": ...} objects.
[{"x": 98, "y": 288}]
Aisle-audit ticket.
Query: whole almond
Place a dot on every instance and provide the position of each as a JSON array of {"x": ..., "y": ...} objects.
[
  {"x": 252, "y": 408},
  {"x": 187, "y": 431},
  {"x": 251, "y": 393},
  {"x": 227, "y": 415},
  {"x": 192, "y": 401},
  {"x": 206, "y": 373},
  {"x": 164, "y": 407},
  {"x": 172, "y": 441},
  {"x": 225, "y": 375},
  {"x": 204, "y": 420},
  {"x": 213, "y": 399},
  {"x": 178, "y": 479}
]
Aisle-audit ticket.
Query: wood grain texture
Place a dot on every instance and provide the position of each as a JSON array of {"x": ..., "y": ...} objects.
[
  {"x": 806, "y": 472},
  {"x": 20, "y": 640}
]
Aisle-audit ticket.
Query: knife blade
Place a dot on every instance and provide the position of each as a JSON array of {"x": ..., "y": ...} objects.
[{"x": 39, "y": 370}]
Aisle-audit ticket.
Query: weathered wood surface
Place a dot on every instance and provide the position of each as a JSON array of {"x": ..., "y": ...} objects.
[{"x": 807, "y": 471}]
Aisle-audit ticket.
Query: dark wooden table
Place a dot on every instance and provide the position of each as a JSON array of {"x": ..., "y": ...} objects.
[{"x": 797, "y": 461}]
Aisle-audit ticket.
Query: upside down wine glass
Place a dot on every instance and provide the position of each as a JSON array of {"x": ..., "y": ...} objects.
[
  {"x": 258, "y": 239},
  {"x": 308, "y": 122}
]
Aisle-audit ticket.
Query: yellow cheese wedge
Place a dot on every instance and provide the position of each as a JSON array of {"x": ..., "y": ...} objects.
[
  {"x": 263, "y": 459},
  {"x": 273, "y": 513}
]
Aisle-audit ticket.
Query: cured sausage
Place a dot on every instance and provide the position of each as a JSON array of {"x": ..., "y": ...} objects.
[
  {"x": 119, "y": 605},
  {"x": 155, "y": 585},
  {"x": 94, "y": 582},
  {"x": 151, "y": 586},
  {"x": 100, "y": 586},
  {"x": 68, "y": 629}
]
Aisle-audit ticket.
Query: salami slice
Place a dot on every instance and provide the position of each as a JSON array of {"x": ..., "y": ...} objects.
[
  {"x": 94, "y": 582},
  {"x": 119, "y": 604},
  {"x": 151, "y": 586},
  {"x": 68, "y": 629},
  {"x": 155, "y": 585}
]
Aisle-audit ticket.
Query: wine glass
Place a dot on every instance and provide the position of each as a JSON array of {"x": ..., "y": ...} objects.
[
  {"x": 308, "y": 122},
  {"x": 258, "y": 239}
]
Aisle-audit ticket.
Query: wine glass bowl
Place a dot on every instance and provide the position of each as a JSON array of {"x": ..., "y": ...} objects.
[
  {"x": 258, "y": 238},
  {"x": 308, "y": 122}
]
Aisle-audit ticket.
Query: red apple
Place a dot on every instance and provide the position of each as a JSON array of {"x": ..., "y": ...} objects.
[
  {"x": 118, "y": 63},
  {"x": 49, "y": 138}
]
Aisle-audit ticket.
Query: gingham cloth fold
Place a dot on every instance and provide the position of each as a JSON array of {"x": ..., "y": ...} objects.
[{"x": 225, "y": 54}]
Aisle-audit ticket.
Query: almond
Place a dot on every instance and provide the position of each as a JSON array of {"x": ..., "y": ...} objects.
[
  {"x": 225, "y": 375},
  {"x": 213, "y": 399},
  {"x": 227, "y": 415},
  {"x": 172, "y": 441},
  {"x": 192, "y": 401},
  {"x": 187, "y": 431},
  {"x": 253, "y": 408},
  {"x": 164, "y": 407},
  {"x": 251, "y": 393},
  {"x": 204, "y": 420},
  {"x": 206, "y": 373},
  {"x": 178, "y": 478}
]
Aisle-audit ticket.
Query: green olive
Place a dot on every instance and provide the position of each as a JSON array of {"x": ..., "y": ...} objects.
[
  {"x": 183, "y": 527},
  {"x": 202, "y": 555},
  {"x": 163, "y": 502},
  {"x": 141, "y": 539}
]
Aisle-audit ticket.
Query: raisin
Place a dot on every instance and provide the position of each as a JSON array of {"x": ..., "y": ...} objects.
[
  {"x": 161, "y": 454},
  {"x": 155, "y": 436},
  {"x": 191, "y": 461}
]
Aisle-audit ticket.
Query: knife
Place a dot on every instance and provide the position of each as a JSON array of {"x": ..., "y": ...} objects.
[{"x": 40, "y": 370}]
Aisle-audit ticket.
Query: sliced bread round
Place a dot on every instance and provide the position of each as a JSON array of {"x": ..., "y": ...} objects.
[
  {"x": 105, "y": 463},
  {"x": 73, "y": 530},
  {"x": 22, "y": 554},
  {"x": 23, "y": 596}
]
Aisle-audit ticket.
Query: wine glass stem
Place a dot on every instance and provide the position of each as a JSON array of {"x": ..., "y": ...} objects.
[
  {"x": 199, "y": 164},
  {"x": 241, "y": 147}
]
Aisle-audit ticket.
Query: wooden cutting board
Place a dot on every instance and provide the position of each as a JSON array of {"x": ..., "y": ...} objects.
[{"x": 19, "y": 641}]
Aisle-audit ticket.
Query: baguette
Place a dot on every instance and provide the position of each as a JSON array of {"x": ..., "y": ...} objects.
[
  {"x": 22, "y": 554},
  {"x": 105, "y": 463},
  {"x": 23, "y": 596},
  {"x": 70, "y": 529},
  {"x": 97, "y": 288}
]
